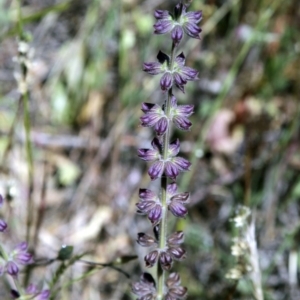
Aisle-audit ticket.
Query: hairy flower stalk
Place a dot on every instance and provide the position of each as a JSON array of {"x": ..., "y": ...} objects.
[{"x": 166, "y": 165}]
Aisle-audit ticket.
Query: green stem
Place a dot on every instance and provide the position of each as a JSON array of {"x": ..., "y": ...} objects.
[
  {"x": 164, "y": 183},
  {"x": 26, "y": 119}
]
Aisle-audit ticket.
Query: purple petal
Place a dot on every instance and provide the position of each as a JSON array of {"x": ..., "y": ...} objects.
[
  {"x": 148, "y": 154},
  {"x": 145, "y": 206},
  {"x": 3, "y": 225},
  {"x": 176, "y": 238},
  {"x": 180, "y": 59},
  {"x": 32, "y": 289},
  {"x": 145, "y": 240},
  {"x": 150, "y": 107},
  {"x": 173, "y": 280},
  {"x": 174, "y": 148},
  {"x": 152, "y": 68},
  {"x": 182, "y": 123},
  {"x": 166, "y": 81},
  {"x": 146, "y": 194},
  {"x": 171, "y": 170},
  {"x": 145, "y": 287},
  {"x": 177, "y": 34},
  {"x": 192, "y": 30},
  {"x": 177, "y": 253},
  {"x": 24, "y": 258},
  {"x": 178, "y": 292},
  {"x": 151, "y": 258},
  {"x": 155, "y": 214},
  {"x": 181, "y": 163},
  {"x": 165, "y": 260},
  {"x": 12, "y": 268},
  {"x": 21, "y": 246},
  {"x": 156, "y": 170},
  {"x": 188, "y": 73},
  {"x": 161, "y": 14},
  {"x": 185, "y": 110},
  {"x": 161, "y": 126},
  {"x": 171, "y": 189},
  {"x": 182, "y": 197},
  {"x": 163, "y": 26},
  {"x": 150, "y": 119},
  {"x": 193, "y": 16},
  {"x": 177, "y": 209},
  {"x": 179, "y": 79},
  {"x": 44, "y": 295}
]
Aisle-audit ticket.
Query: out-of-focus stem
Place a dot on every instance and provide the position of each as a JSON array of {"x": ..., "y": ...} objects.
[
  {"x": 26, "y": 118},
  {"x": 164, "y": 183}
]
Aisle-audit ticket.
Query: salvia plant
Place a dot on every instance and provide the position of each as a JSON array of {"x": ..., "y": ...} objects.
[
  {"x": 11, "y": 262},
  {"x": 166, "y": 247}
]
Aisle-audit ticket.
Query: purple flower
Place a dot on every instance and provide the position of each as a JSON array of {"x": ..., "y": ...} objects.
[
  {"x": 145, "y": 289},
  {"x": 154, "y": 117},
  {"x": 20, "y": 254},
  {"x": 149, "y": 205},
  {"x": 12, "y": 268},
  {"x": 176, "y": 202},
  {"x": 146, "y": 240},
  {"x": 175, "y": 290},
  {"x": 165, "y": 256},
  {"x": 180, "y": 114},
  {"x": 11, "y": 261},
  {"x": 37, "y": 294},
  {"x": 3, "y": 225},
  {"x": 178, "y": 22},
  {"x": 170, "y": 167},
  {"x": 178, "y": 75}
]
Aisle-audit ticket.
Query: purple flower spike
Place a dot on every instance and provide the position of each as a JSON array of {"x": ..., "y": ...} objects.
[
  {"x": 149, "y": 205},
  {"x": 178, "y": 22},
  {"x": 154, "y": 117},
  {"x": 3, "y": 225},
  {"x": 12, "y": 268}
]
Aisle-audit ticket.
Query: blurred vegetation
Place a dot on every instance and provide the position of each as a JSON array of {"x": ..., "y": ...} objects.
[{"x": 85, "y": 87}]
